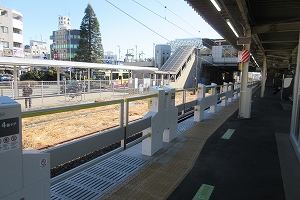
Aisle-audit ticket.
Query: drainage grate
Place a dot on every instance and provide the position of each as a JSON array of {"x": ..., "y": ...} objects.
[
  {"x": 93, "y": 182},
  {"x": 184, "y": 125}
]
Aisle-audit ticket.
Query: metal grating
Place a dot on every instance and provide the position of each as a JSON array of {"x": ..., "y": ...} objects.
[
  {"x": 184, "y": 126},
  {"x": 93, "y": 182}
]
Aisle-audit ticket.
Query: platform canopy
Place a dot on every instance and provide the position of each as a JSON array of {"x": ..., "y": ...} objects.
[{"x": 13, "y": 61}]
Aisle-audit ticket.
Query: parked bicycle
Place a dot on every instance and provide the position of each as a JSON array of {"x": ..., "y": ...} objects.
[{"x": 74, "y": 95}]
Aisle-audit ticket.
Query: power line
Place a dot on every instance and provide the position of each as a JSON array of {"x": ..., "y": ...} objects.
[
  {"x": 137, "y": 20},
  {"x": 152, "y": 29},
  {"x": 164, "y": 18},
  {"x": 177, "y": 15}
]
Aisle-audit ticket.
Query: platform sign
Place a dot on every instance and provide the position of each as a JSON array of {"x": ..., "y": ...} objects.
[
  {"x": 9, "y": 134},
  {"x": 243, "y": 40}
]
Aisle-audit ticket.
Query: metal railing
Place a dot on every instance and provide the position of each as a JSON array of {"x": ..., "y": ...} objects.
[
  {"x": 72, "y": 150},
  {"x": 48, "y": 94}
]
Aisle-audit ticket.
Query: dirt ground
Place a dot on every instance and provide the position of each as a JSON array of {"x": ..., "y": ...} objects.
[{"x": 49, "y": 130}]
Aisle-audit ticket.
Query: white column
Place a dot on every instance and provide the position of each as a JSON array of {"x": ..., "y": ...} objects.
[
  {"x": 295, "y": 110},
  {"x": 16, "y": 81},
  {"x": 58, "y": 80},
  {"x": 244, "y": 83},
  {"x": 154, "y": 143},
  {"x": 224, "y": 90},
  {"x": 213, "y": 108},
  {"x": 264, "y": 78},
  {"x": 89, "y": 76},
  {"x": 199, "y": 109},
  {"x": 170, "y": 115}
]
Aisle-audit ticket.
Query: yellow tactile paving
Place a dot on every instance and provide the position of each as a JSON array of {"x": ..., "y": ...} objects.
[{"x": 156, "y": 180}]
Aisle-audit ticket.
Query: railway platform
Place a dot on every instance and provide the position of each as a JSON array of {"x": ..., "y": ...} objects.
[{"x": 222, "y": 157}]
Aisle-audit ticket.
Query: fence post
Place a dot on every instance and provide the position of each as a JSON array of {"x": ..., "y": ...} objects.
[
  {"x": 183, "y": 101},
  {"x": 213, "y": 108},
  {"x": 235, "y": 95},
  {"x": 230, "y": 88},
  {"x": 156, "y": 111},
  {"x": 199, "y": 109},
  {"x": 171, "y": 112},
  {"x": 224, "y": 90}
]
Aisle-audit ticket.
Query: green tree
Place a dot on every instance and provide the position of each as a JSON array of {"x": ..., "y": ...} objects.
[
  {"x": 31, "y": 75},
  {"x": 37, "y": 75},
  {"x": 90, "y": 48}
]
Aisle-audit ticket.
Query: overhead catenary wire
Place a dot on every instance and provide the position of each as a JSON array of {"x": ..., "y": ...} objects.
[
  {"x": 154, "y": 30},
  {"x": 163, "y": 18},
  {"x": 136, "y": 20}
]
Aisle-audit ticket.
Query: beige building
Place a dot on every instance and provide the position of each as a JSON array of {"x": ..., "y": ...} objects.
[{"x": 11, "y": 33}]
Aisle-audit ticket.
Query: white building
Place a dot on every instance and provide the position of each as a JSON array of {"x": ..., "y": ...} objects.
[
  {"x": 64, "y": 22},
  {"x": 110, "y": 58},
  {"x": 37, "y": 50},
  {"x": 162, "y": 54},
  {"x": 11, "y": 33}
]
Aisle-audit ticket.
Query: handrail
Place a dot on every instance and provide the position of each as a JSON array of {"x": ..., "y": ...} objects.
[
  {"x": 48, "y": 111},
  {"x": 140, "y": 97}
]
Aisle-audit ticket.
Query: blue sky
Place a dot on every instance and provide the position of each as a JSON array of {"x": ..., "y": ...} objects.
[{"x": 126, "y": 23}]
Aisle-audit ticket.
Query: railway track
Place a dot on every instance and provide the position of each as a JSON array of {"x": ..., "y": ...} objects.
[{"x": 88, "y": 157}]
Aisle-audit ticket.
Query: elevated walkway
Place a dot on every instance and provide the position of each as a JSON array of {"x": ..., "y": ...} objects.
[
  {"x": 254, "y": 161},
  {"x": 180, "y": 67}
]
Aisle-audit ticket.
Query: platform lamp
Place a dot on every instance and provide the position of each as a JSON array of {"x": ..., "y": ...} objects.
[
  {"x": 216, "y": 4},
  {"x": 232, "y": 28}
]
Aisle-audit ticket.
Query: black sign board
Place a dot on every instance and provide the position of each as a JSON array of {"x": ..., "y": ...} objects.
[
  {"x": 9, "y": 126},
  {"x": 243, "y": 40}
]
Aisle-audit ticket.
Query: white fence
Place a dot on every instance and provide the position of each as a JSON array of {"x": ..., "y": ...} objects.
[
  {"x": 55, "y": 93},
  {"x": 154, "y": 125}
]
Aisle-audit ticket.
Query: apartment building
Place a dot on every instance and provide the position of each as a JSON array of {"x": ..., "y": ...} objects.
[
  {"x": 11, "y": 33},
  {"x": 65, "y": 40},
  {"x": 36, "y": 50}
]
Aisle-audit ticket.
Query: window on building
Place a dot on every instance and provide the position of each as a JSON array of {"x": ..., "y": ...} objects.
[
  {"x": 4, "y": 29},
  {"x": 5, "y": 44},
  {"x": 4, "y": 13},
  {"x": 229, "y": 51},
  {"x": 17, "y": 31},
  {"x": 16, "y": 44}
]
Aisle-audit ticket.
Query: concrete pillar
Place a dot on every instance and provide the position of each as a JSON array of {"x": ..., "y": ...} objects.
[
  {"x": 295, "y": 110},
  {"x": 171, "y": 113},
  {"x": 154, "y": 143},
  {"x": 244, "y": 83},
  {"x": 199, "y": 110},
  {"x": 224, "y": 90},
  {"x": 264, "y": 77},
  {"x": 213, "y": 108}
]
